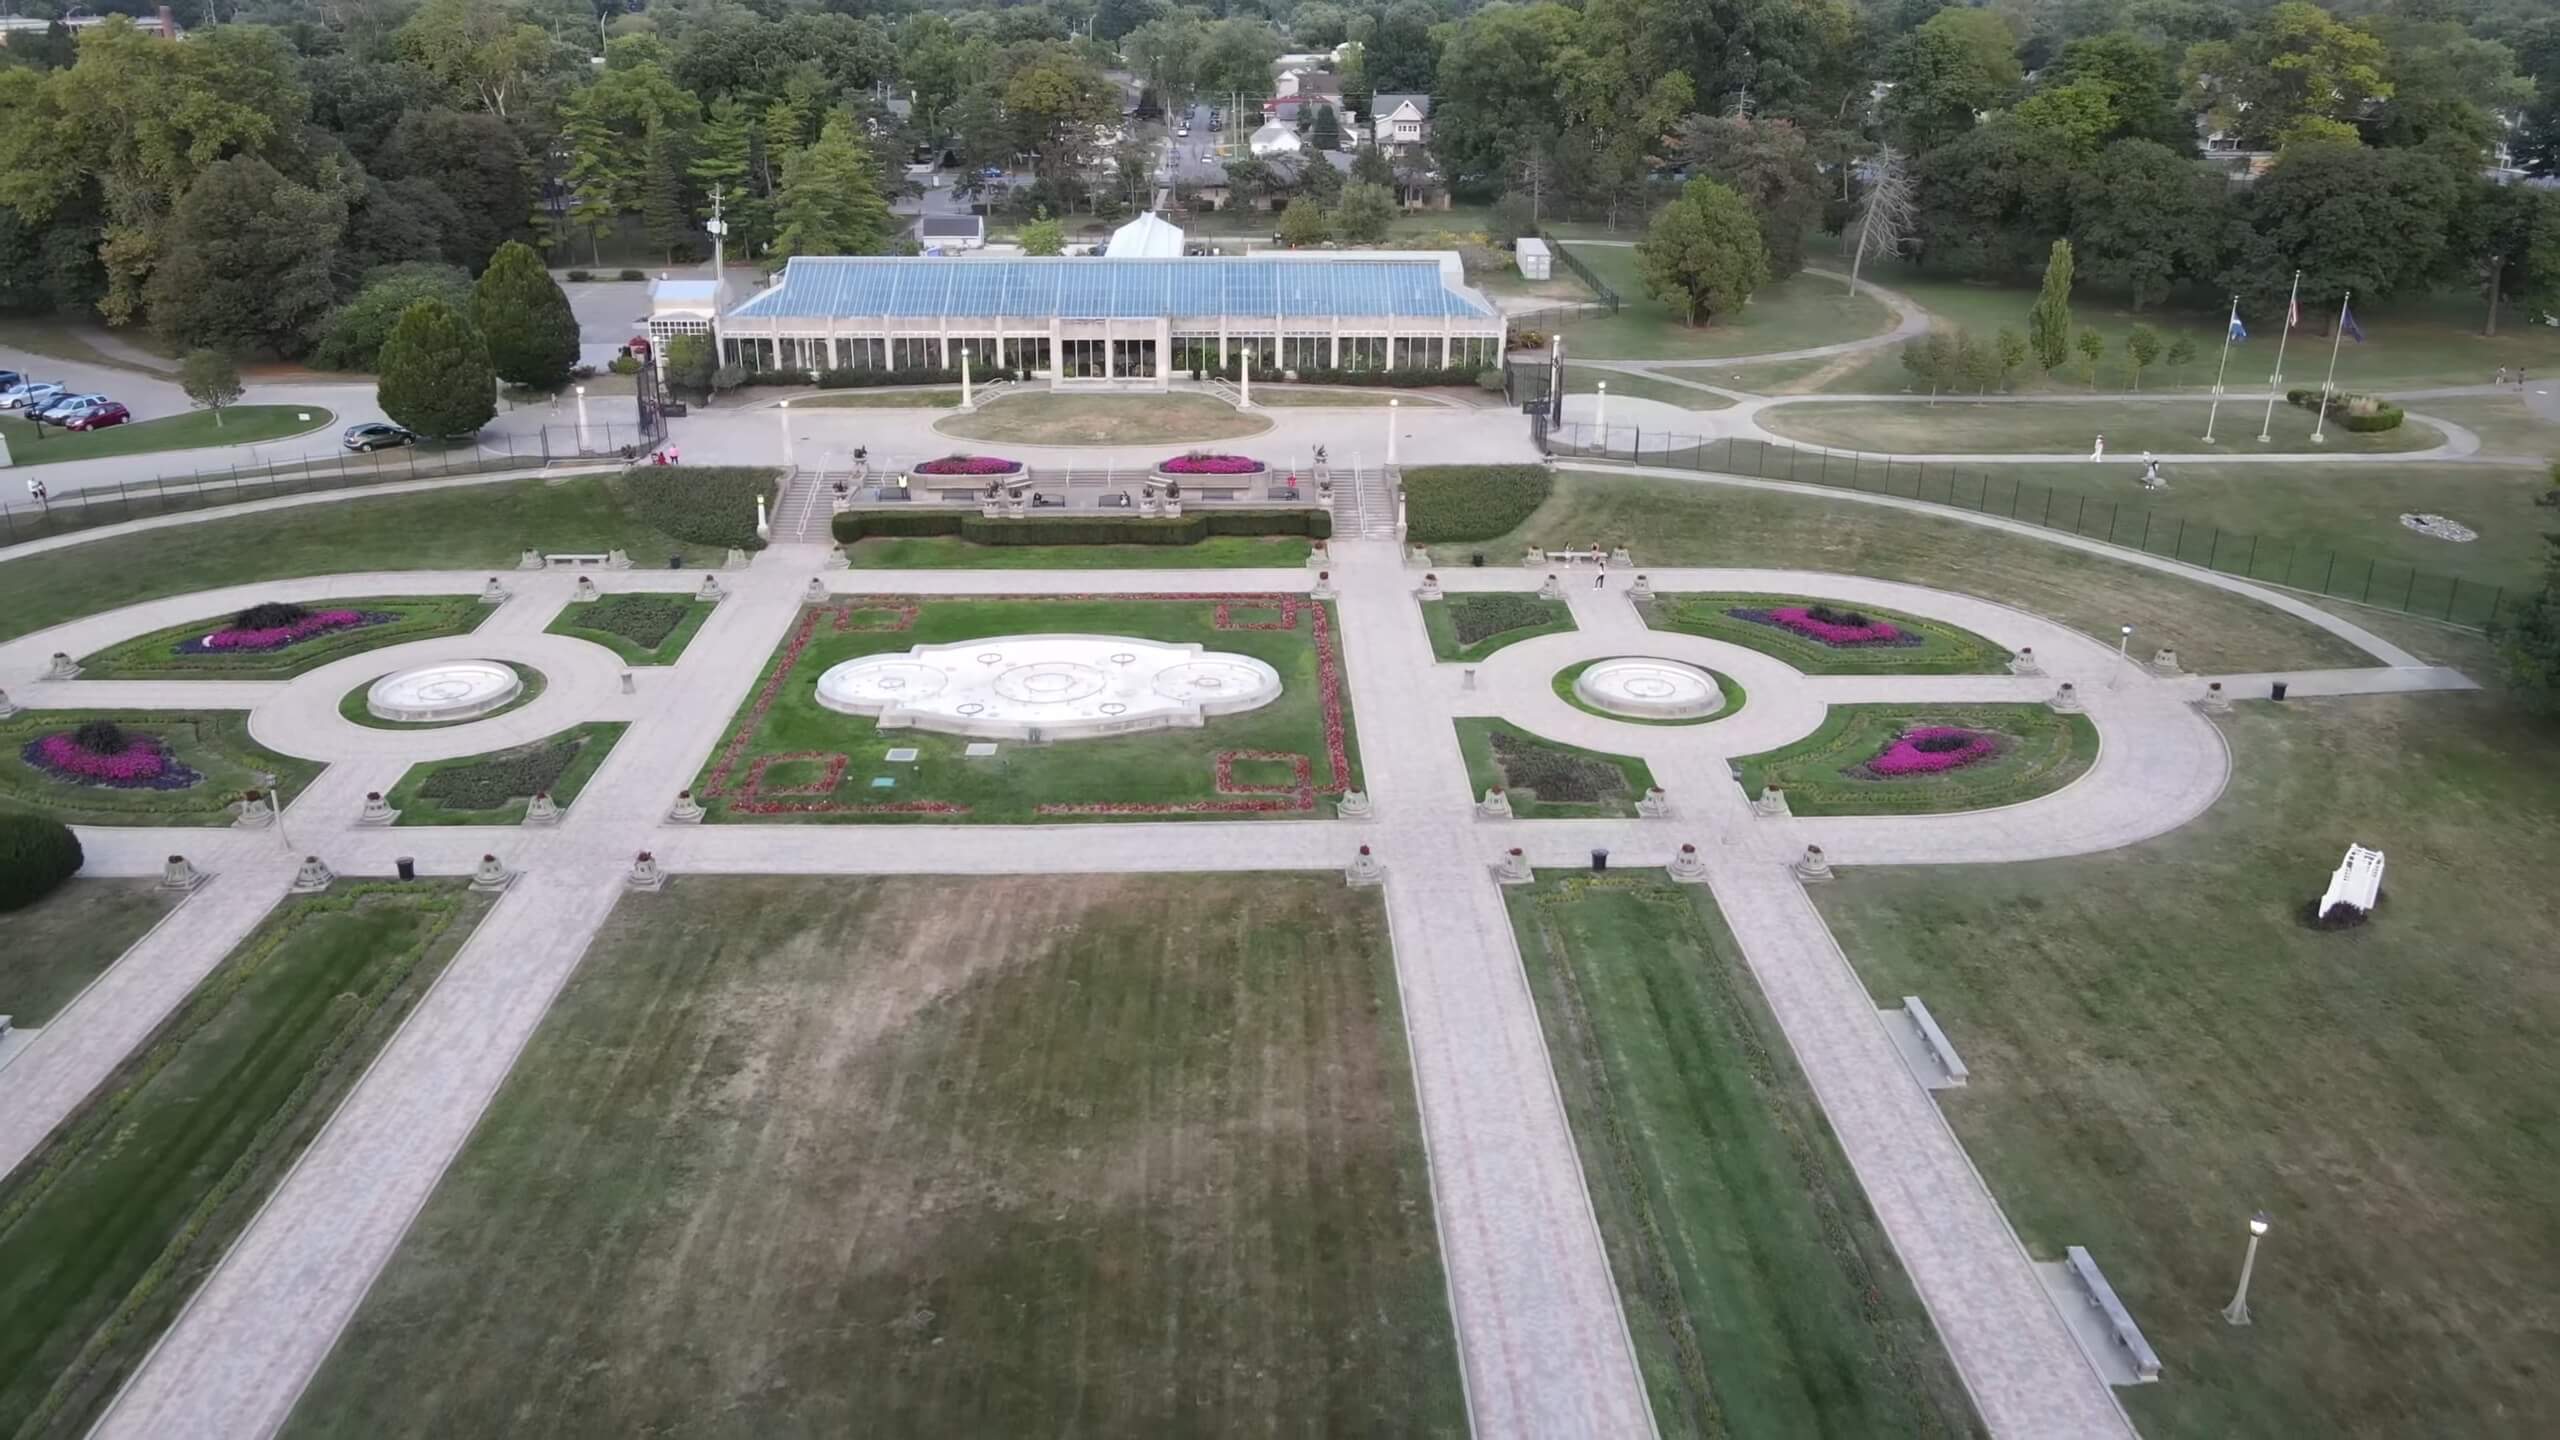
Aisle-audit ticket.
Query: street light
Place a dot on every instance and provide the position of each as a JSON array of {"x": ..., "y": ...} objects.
[
  {"x": 2237, "y": 1312},
  {"x": 2124, "y": 654}
]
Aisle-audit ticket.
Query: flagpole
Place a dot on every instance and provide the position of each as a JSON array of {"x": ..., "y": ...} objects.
[
  {"x": 2329, "y": 384},
  {"x": 2275, "y": 382},
  {"x": 2228, "y": 326}
]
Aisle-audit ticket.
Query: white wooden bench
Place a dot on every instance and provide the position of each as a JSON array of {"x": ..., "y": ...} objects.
[
  {"x": 2146, "y": 1361},
  {"x": 2357, "y": 882},
  {"x": 596, "y": 560},
  {"x": 1576, "y": 557},
  {"x": 1936, "y": 1039}
]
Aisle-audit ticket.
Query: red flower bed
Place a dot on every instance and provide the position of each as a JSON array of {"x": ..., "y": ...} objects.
[
  {"x": 1933, "y": 750},
  {"x": 969, "y": 465},
  {"x": 1199, "y": 464},
  {"x": 756, "y": 789}
]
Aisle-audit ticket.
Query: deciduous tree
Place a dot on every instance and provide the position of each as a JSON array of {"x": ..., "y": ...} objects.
[
  {"x": 1703, "y": 256},
  {"x": 1364, "y": 214},
  {"x": 2141, "y": 349},
  {"x": 1302, "y": 224},
  {"x": 1043, "y": 236},
  {"x": 2091, "y": 345},
  {"x": 211, "y": 379},
  {"x": 1770, "y": 164},
  {"x": 248, "y": 262}
]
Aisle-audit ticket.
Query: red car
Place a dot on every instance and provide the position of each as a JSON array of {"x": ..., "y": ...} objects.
[{"x": 100, "y": 418}]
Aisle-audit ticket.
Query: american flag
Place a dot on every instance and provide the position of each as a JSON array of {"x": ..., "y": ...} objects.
[{"x": 2292, "y": 314}]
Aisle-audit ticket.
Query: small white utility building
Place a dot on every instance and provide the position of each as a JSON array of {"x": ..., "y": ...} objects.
[
  {"x": 1535, "y": 261},
  {"x": 1276, "y": 139}
]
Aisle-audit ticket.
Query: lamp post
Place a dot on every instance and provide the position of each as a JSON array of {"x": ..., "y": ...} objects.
[
  {"x": 582, "y": 419},
  {"x": 1392, "y": 416},
  {"x": 784, "y": 410},
  {"x": 1600, "y": 416},
  {"x": 2237, "y": 1312},
  {"x": 2124, "y": 654}
]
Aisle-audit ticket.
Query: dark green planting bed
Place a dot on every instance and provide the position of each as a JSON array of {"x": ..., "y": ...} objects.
[{"x": 1921, "y": 646}]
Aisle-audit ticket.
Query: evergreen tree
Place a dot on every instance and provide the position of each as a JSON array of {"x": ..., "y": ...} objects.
[
  {"x": 781, "y": 132},
  {"x": 596, "y": 181},
  {"x": 1370, "y": 166},
  {"x": 830, "y": 201},
  {"x": 1364, "y": 214},
  {"x": 726, "y": 158},
  {"x": 524, "y": 319},
  {"x": 435, "y": 373},
  {"x": 2529, "y": 645},
  {"x": 662, "y": 208},
  {"x": 1703, "y": 255},
  {"x": 2049, "y": 323},
  {"x": 1328, "y": 129}
]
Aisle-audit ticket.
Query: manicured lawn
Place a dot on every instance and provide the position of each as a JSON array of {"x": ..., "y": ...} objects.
[
  {"x": 1943, "y": 649},
  {"x": 877, "y": 400},
  {"x": 1678, "y": 522},
  {"x": 1045, "y": 418},
  {"x": 1762, "y": 1297},
  {"x": 108, "y": 1227},
  {"x": 947, "y": 552},
  {"x": 644, "y": 629},
  {"x": 2505, "y": 425},
  {"x": 412, "y": 617},
  {"x": 2039, "y": 753},
  {"x": 1953, "y": 426},
  {"x": 212, "y": 745},
  {"x": 935, "y": 1156},
  {"x": 453, "y": 792},
  {"x": 52, "y": 949},
  {"x": 1546, "y": 779},
  {"x": 466, "y": 527},
  {"x": 1580, "y": 381},
  {"x": 785, "y": 757},
  {"x": 352, "y": 708},
  {"x": 241, "y": 425},
  {"x": 1470, "y": 627},
  {"x": 1793, "y": 314},
  {"x": 1734, "y": 698},
  {"x": 2160, "y": 1047},
  {"x": 68, "y": 337}
]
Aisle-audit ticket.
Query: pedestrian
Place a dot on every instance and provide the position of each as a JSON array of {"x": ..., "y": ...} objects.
[
  {"x": 1600, "y": 576},
  {"x": 2502, "y": 374},
  {"x": 2099, "y": 450}
]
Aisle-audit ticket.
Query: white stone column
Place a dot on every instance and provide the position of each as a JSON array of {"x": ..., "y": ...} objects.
[
  {"x": 1246, "y": 376},
  {"x": 1600, "y": 414},
  {"x": 1394, "y": 413},
  {"x": 1057, "y": 352},
  {"x": 582, "y": 419},
  {"x": 1110, "y": 343},
  {"x": 967, "y": 401}
]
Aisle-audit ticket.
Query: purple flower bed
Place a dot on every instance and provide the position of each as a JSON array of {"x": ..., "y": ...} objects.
[
  {"x": 1932, "y": 750},
  {"x": 1197, "y": 464},
  {"x": 141, "y": 764},
  {"x": 234, "y": 639},
  {"x": 1830, "y": 627},
  {"x": 969, "y": 465}
]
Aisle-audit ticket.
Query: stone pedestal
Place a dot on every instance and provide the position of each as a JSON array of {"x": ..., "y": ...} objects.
[
  {"x": 630, "y": 686},
  {"x": 586, "y": 593},
  {"x": 1430, "y": 589},
  {"x": 7, "y": 707},
  {"x": 1656, "y": 805},
  {"x": 645, "y": 874},
  {"x": 2215, "y": 702},
  {"x": 177, "y": 874},
  {"x": 1532, "y": 558},
  {"x": 994, "y": 510},
  {"x": 1365, "y": 870},
  {"x": 2024, "y": 663},
  {"x": 1172, "y": 508},
  {"x": 313, "y": 877},
  {"x": 1494, "y": 806},
  {"x": 492, "y": 876},
  {"x": 1354, "y": 805},
  {"x": 1513, "y": 868},
  {"x": 1319, "y": 557},
  {"x": 493, "y": 593},
  {"x": 255, "y": 813},
  {"x": 541, "y": 809},
  {"x": 738, "y": 560},
  {"x": 816, "y": 594},
  {"x": 377, "y": 811},
  {"x": 686, "y": 810},
  {"x": 529, "y": 560},
  {"x": 1771, "y": 804},
  {"x": 840, "y": 503},
  {"x": 1147, "y": 504},
  {"x": 1416, "y": 557},
  {"x": 2164, "y": 663},
  {"x": 1552, "y": 590},
  {"x": 2066, "y": 701},
  {"x": 1813, "y": 867},
  {"x": 837, "y": 559},
  {"x": 1642, "y": 589},
  {"x": 711, "y": 589},
  {"x": 1686, "y": 865},
  {"x": 617, "y": 559},
  {"x": 1621, "y": 559},
  {"x": 1323, "y": 587},
  {"x": 62, "y": 668}
]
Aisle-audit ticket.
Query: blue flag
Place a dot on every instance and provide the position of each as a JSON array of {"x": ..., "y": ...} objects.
[
  {"x": 2238, "y": 330},
  {"x": 2347, "y": 324}
]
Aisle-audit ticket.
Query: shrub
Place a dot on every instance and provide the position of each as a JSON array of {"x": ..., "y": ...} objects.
[
  {"x": 623, "y": 365},
  {"x": 1489, "y": 380},
  {"x": 270, "y": 615},
  {"x": 699, "y": 504},
  {"x": 580, "y": 277},
  {"x": 1471, "y": 502},
  {"x": 1554, "y": 775},
  {"x": 644, "y": 620},
  {"x": 36, "y": 855},
  {"x": 2364, "y": 414},
  {"x": 1409, "y": 378},
  {"x": 1475, "y": 617},
  {"x": 101, "y": 737},
  {"x": 633, "y": 275},
  {"x": 488, "y": 783},
  {"x": 1085, "y": 529},
  {"x": 351, "y": 338},
  {"x": 869, "y": 379}
]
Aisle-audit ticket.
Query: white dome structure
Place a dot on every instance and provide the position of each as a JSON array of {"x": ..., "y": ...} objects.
[
  {"x": 1277, "y": 139},
  {"x": 1149, "y": 237}
]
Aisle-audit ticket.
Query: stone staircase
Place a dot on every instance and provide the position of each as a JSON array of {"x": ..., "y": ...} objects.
[
  {"x": 1364, "y": 503},
  {"x": 801, "y": 516}
]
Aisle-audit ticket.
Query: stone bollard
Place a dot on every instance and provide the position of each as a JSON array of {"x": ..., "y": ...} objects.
[
  {"x": 686, "y": 811},
  {"x": 1319, "y": 557},
  {"x": 710, "y": 589},
  {"x": 2066, "y": 701},
  {"x": 1430, "y": 587},
  {"x": 586, "y": 593},
  {"x": 816, "y": 594},
  {"x": 62, "y": 668},
  {"x": 1365, "y": 870},
  {"x": 1323, "y": 587},
  {"x": 1553, "y": 589},
  {"x": 737, "y": 560},
  {"x": 837, "y": 559},
  {"x": 541, "y": 809},
  {"x": 493, "y": 593},
  {"x": 1494, "y": 806},
  {"x": 630, "y": 686},
  {"x": 1513, "y": 869},
  {"x": 377, "y": 811},
  {"x": 1642, "y": 589},
  {"x": 7, "y": 708},
  {"x": 2215, "y": 702},
  {"x": 1656, "y": 804},
  {"x": 312, "y": 878},
  {"x": 617, "y": 559},
  {"x": 179, "y": 875},
  {"x": 1532, "y": 558},
  {"x": 1621, "y": 559},
  {"x": 1687, "y": 866},
  {"x": 645, "y": 874},
  {"x": 529, "y": 560},
  {"x": 255, "y": 812},
  {"x": 1354, "y": 805},
  {"x": 1813, "y": 867},
  {"x": 1468, "y": 680},
  {"x": 491, "y": 876},
  {"x": 1771, "y": 804},
  {"x": 2024, "y": 662},
  {"x": 2164, "y": 663}
]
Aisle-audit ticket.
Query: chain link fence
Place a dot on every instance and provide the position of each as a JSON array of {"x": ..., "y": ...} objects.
[{"x": 2273, "y": 559}]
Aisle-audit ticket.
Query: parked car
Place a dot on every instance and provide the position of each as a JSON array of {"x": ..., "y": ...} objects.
[
  {"x": 376, "y": 435},
  {"x": 66, "y": 407},
  {"x": 11, "y": 377},
  {"x": 1183, "y": 133},
  {"x": 30, "y": 395},
  {"x": 99, "y": 417}
]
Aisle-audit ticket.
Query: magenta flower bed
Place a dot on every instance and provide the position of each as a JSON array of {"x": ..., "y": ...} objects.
[
  {"x": 275, "y": 637},
  {"x": 1211, "y": 465},
  {"x": 143, "y": 763},
  {"x": 969, "y": 465},
  {"x": 1933, "y": 750},
  {"x": 1835, "y": 632}
]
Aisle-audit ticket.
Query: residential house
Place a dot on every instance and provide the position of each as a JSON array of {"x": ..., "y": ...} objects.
[{"x": 1403, "y": 121}]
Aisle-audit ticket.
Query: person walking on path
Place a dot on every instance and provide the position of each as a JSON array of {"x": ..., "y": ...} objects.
[
  {"x": 2502, "y": 375},
  {"x": 1600, "y": 574},
  {"x": 2099, "y": 450}
]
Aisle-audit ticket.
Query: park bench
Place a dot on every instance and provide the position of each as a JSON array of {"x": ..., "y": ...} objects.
[
  {"x": 586, "y": 560},
  {"x": 1576, "y": 557},
  {"x": 2146, "y": 1362},
  {"x": 1940, "y": 1047}
]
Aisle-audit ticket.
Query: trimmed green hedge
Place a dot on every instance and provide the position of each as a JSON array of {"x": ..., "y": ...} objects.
[
  {"x": 1409, "y": 378},
  {"x": 644, "y": 620},
  {"x": 1080, "y": 529},
  {"x": 2385, "y": 416},
  {"x": 700, "y": 504},
  {"x": 36, "y": 855},
  {"x": 1478, "y": 617},
  {"x": 1471, "y": 502}
]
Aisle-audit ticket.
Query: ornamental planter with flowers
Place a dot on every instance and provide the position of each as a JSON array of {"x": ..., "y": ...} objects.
[
  {"x": 981, "y": 465},
  {"x": 1933, "y": 750},
  {"x": 103, "y": 753},
  {"x": 1924, "y": 759},
  {"x": 1839, "y": 629},
  {"x": 1201, "y": 462},
  {"x": 273, "y": 626}
]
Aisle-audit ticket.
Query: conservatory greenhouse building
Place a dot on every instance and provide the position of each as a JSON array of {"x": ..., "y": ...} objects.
[{"x": 1127, "y": 320}]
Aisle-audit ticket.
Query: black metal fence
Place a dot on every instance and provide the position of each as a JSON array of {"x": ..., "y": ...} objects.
[
  {"x": 22, "y": 518},
  {"x": 1582, "y": 272},
  {"x": 2274, "y": 560}
]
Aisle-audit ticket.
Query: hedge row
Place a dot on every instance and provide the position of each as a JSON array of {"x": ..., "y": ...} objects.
[
  {"x": 644, "y": 620},
  {"x": 2385, "y": 415},
  {"x": 1481, "y": 617},
  {"x": 873, "y": 377},
  {"x": 1554, "y": 774},
  {"x": 1414, "y": 378},
  {"x": 1471, "y": 502},
  {"x": 492, "y": 781},
  {"x": 700, "y": 504},
  {"x": 1083, "y": 529}
]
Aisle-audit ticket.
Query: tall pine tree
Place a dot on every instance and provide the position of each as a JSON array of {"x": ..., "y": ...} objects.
[
  {"x": 830, "y": 200},
  {"x": 435, "y": 376},
  {"x": 2049, "y": 323},
  {"x": 525, "y": 320},
  {"x": 662, "y": 207}
]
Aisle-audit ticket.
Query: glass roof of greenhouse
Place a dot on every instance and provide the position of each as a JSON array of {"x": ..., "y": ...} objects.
[{"x": 817, "y": 287}]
